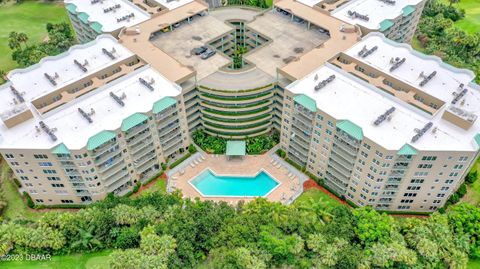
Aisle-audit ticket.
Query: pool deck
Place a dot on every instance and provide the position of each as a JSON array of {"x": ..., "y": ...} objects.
[{"x": 286, "y": 192}]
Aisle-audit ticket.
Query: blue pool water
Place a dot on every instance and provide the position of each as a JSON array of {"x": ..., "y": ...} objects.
[{"x": 210, "y": 184}]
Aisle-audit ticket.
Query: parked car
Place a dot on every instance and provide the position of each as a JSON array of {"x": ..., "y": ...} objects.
[
  {"x": 199, "y": 50},
  {"x": 176, "y": 25},
  {"x": 207, "y": 54}
]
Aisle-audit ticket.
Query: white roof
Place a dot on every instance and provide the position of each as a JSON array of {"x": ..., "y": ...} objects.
[
  {"x": 376, "y": 10},
  {"x": 108, "y": 20},
  {"x": 73, "y": 130},
  {"x": 349, "y": 98},
  {"x": 32, "y": 82},
  {"x": 310, "y": 3},
  {"x": 446, "y": 80},
  {"x": 173, "y": 4}
]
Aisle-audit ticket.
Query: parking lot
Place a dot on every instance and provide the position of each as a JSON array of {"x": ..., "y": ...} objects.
[
  {"x": 290, "y": 40},
  {"x": 182, "y": 40}
]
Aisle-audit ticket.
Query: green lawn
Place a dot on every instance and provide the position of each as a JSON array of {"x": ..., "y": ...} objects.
[
  {"x": 16, "y": 206},
  {"x": 473, "y": 264},
  {"x": 471, "y": 22},
  {"x": 96, "y": 260},
  {"x": 30, "y": 17},
  {"x": 473, "y": 194},
  {"x": 316, "y": 195}
]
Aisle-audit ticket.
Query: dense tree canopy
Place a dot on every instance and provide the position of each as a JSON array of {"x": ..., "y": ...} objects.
[{"x": 166, "y": 231}]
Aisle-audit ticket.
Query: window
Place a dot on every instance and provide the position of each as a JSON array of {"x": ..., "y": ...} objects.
[
  {"x": 24, "y": 178},
  {"x": 58, "y": 185},
  {"x": 40, "y": 156},
  {"x": 43, "y": 164},
  {"x": 429, "y": 158},
  {"x": 9, "y": 156},
  {"x": 330, "y": 123},
  {"x": 463, "y": 159},
  {"x": 66, "y": 201},
  {"x": 53, "y": 178},
  {"x": 320, "y": 117},
  {"x": 424, "y": 166}
]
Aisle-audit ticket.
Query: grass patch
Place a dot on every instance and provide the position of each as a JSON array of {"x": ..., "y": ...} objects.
[
  {"x": 159, "y": 186},
  {"x": 473, "y": 193},
  {"x": 317, "y": 195},
  {"x": 473, "y": 264},
  {"x": 471, "y": 22},
  {"x": 16, "y": 208},
  {"x": 30, "y": 17},
  {"x": 94, "y": 260},
  {"x": 416, "y": 45}
]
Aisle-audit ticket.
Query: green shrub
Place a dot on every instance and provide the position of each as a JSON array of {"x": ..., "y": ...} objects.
[
  {"x": 137, "y": 187},
  {"x": 164, "y": 166},
  {"x": 192, "y": 149},
  {"x": 179, "y": 161},
  {"x": 454, "y": 198},
  {"x": 471, "y": 177},
  {"x": 281, "y": 153},
  {"x": 30, "y": 202},
  {"x": 155, "y": 176},
  {"x": 17, "y": 183},
  {"x": 462, "y": 190}
]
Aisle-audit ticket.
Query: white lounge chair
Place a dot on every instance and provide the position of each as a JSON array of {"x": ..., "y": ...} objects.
[
  {"x": 182, "y": 172},
  {"x": 195, "y": 162},
  {"x": 203, "y": 157},
  {"x": 278, "y": 165},
  {"x": 192, "y": 165}
]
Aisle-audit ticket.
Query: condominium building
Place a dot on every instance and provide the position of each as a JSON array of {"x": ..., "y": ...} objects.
[
  {"x": 384, "y": 125},
  {"x": 96, "y": 121},
  {"x": 396, "y": 19},
  {"x": 91, "y": 18},
  {"x": 381, "y": 124}
]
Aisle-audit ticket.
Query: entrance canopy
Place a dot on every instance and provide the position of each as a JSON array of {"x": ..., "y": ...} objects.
[{"x": 236, "y": 148}]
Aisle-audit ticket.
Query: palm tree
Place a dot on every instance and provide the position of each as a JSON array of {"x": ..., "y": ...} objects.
[
  {"x": 86, "y": 240},
  {"x": 13, "y": 42},
  {"x": 453, "y": 2},
  {"x": 22, "y": 38}
]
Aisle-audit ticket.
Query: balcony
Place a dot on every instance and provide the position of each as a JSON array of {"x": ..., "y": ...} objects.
[
  {"x": 297, "y": 159},
  {"x": 115, "y": 164},
  {"x": 167, "y": 127},
  {"x": 167, "y": 113},
  {"x": 345, "y": 165},
  {"x": 338, "y": 171},
  {"x": 115, "y": 178},
  {"x": 302, "y": 156},
  {"x": 109, "y": 161},
  {"x": 172, "y": 148},
  {"x": 104, "y": 154},
  {"x": 135, "y": 130},
  {"x": 170, "y": 134},
  {"x": 304, "y": 148},
  {"x": 141, "y": 143},
  {"x": 166, "y": 143},
  {"x": 119, "y": 185},
  {"x": 350, "y": 162}
]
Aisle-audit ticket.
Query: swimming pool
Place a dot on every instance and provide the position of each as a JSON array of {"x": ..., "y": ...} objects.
[{"x": 211, "y": 185}]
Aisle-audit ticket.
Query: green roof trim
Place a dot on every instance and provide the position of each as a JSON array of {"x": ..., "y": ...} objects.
[
  {"x": 132, "y": 121},
  {"x": 407, "y": 150},
  {"x": 385, "y": 25},
  {"x": 351, "y": 128},
  {"x": 100, "y": 139},
  {"x": 408, "y": 10},
  {"x": 83, "y": 17},
  {"x": 477, "y": 139},
  {"x": 306, "y": 101},
  {"x": 236, "y": 148},
  {"x": 163, "y": 103},
  {"x": 61, "y": 149},
  {"x": 71, "y": 8},
  {"x": 97, "y": 27}
]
